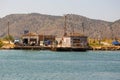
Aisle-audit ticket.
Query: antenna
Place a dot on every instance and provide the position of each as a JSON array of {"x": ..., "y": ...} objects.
[
  {"x": 111, "y": 29},
  {"x": 73, "y": 30},
  {"x": 83, "y": 27},
  {"x": 65, "y": 26},
  {"x": 8, "y": 32},
  {"x": 71, "y": 24}
]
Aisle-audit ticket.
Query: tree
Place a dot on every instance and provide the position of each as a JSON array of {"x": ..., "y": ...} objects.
[
  {"x": 9, "y": 38},
  {"x": 1, "y": 43}
]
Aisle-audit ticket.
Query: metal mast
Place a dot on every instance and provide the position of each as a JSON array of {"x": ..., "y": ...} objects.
[
  {"x": 8, "y": 33},
  {"x": 65, "y": 26},
  {"x": 111, "y": 29},
  {"x": 83, "y": 27}
]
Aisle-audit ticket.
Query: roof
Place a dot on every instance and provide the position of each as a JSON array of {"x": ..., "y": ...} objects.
[
  {"x": 30, "y": 34},
  {"x": 75, "y": 35},
  {"x": 46, "y": 35}
]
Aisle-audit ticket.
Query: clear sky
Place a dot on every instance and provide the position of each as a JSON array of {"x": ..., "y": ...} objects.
[{"x": 108, "y": 10}]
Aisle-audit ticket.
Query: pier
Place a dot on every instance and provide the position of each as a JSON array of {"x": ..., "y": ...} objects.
[{"x": 32, "y": 48}]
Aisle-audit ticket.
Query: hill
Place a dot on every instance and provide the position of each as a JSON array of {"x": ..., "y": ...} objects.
[{"x": 48, "y": 24}]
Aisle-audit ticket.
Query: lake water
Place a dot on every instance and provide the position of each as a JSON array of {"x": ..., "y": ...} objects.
[{"x": 48, "y": 65}]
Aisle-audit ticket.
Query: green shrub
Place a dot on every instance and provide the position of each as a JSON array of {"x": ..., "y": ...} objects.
[
  {"x": 1, "y": 43},
  {"x": 9, "y": 38}
]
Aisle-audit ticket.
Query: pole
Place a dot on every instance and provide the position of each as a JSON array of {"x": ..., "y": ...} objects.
[
  {"x": 73, "y": 31},
  {"x": 65, "y": 26},
  {"x": 83, "y": 27},
  {"x": 8, "y": 33},
  {"x": 111, "y": 32}
]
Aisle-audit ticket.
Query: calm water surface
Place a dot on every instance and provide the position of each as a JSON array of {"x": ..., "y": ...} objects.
[{"x": 48, "y": 65}]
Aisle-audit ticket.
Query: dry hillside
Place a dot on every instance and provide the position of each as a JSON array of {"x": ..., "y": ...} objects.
[{"x": 49, "y": 24}]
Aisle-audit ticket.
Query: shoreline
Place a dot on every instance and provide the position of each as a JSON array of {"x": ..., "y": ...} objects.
[{"x": 97, "y": 48}]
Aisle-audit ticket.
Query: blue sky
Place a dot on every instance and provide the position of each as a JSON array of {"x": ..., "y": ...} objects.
[{"x": 108, "y": 10}]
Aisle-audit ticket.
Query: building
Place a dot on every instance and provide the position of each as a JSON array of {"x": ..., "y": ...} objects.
[
  {"x": 33, "y": 39},
  {"x": 46, "y": 40},
  {"x": 72, "y": 42},
  {"x": 30, "y": 39}
]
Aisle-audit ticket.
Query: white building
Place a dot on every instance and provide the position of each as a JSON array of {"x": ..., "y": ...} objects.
[{"x": 73, "y": 41}]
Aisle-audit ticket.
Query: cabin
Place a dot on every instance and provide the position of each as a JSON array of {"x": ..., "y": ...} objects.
[
  {"x": 30, "y": 39},
  {"x": 73, "y": 42},
  {"x": 33, "y": 39},
  {"x": 46, "y": 40}
]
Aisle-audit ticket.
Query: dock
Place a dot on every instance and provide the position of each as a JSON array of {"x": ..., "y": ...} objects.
[
  {"x": 69, "y": 49},
  {"x": 31, "y": 48},
  {"x": 103, "y": 48},
  {"x": 49, "y": 48}
]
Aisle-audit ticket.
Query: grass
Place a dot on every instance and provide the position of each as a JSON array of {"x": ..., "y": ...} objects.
[{"x": 97, "y": 43}]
